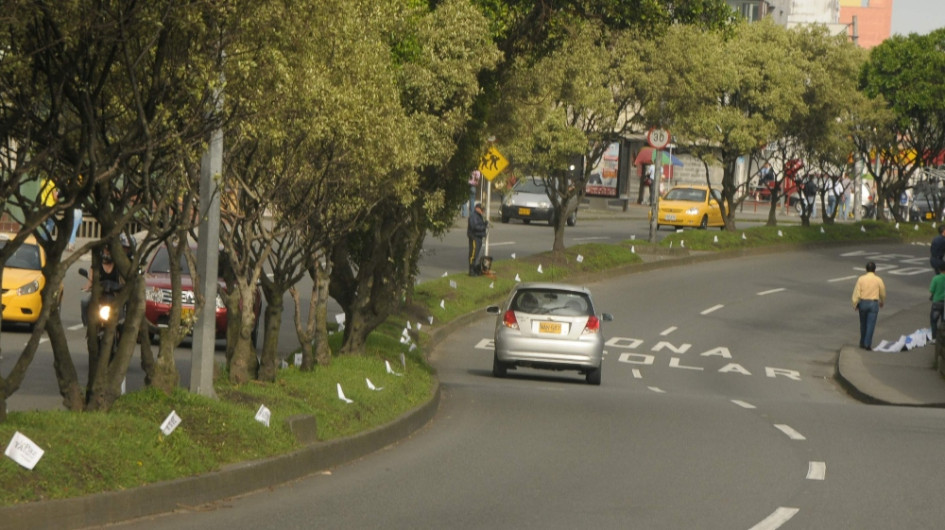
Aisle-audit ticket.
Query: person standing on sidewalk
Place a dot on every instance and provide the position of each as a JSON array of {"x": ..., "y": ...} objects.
[
  {"x": 937, "y": 249},
  {"x": 476, "y": 232},
  {"x": 937, "y": 290},
  {"x": 869, "y": 295}
]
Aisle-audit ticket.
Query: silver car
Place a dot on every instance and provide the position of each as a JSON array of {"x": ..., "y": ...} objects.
[
  {"x": 549, "y": 326},
  {"x": 528, "y": 200}
]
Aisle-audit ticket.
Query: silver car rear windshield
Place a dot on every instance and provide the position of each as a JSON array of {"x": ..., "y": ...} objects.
[{"x": 552, "y": 302}]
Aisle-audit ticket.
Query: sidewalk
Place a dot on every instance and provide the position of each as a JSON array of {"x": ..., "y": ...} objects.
[{"x": 907, "y": 378}]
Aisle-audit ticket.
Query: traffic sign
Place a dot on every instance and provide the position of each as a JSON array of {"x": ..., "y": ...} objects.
[
  {"x": 657, "y": 138},
  {"x": 492, "y": 163}
]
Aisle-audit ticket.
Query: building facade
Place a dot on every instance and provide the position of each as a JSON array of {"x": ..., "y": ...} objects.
[{"x": 873, "y": 20}]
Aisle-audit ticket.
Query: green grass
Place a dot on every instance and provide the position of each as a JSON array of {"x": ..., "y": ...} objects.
[{"x": 96, "y": 452}]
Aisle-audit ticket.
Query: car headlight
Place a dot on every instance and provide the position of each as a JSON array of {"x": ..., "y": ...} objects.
[
  {"x": 29, "y": 288},
  {"x": 544, "y": 205},
  {"x": 692, "y": 211},
  {"x": 104, "y": 312}
]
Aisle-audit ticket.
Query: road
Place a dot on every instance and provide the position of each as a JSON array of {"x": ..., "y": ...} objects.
[{"x": 717, "y": 411}]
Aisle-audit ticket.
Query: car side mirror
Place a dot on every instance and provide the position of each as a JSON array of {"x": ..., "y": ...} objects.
[
  {"x": 493, "y": 309},
  {"x": 606, "y": 317}
]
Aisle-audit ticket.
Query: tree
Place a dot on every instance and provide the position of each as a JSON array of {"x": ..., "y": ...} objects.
[
  {"x": 100, "y": 99},
  {"x": 438, "y": 55},
  {"x": 906, "y": 72},
  {"x": 729, "y": 95},
  {"x": 577, "y": 100}
]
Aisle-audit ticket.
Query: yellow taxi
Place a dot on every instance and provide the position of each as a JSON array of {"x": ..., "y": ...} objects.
[
  {"x": 695, "y": 206},
  {"x": 23, "y": 281}
]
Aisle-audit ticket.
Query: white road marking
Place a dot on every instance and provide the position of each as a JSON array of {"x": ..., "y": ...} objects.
[
  {"x": 590, "y": 238},
  {"x": 711, "y": 309},
  {"x": 501, "y": 243},
  {"x": 816, "y": 470},
  {"x": 636, "y": 373},
  {"x": 843, "y": 279},
  {"x": 668, "y": 330},
  {"x": 743, "y": 404},
  {"x": 776, "y": 519},
  {"x": 75, "y": 327},
  {"x": 791, "y": 433},
  {"x": 657, "y": 390},
  {"x": 772, "y": 291}
]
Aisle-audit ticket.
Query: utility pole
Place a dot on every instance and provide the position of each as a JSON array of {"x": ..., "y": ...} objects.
[{"x": 208, "y": 243}]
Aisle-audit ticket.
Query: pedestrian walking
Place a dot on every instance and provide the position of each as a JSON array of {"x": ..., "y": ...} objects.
[
  {"x": 476, "y": 232},
  {"x": 869, "y": 295},
  {"x": 937, "y": 296},
  {"x": 937, "y": 250}
]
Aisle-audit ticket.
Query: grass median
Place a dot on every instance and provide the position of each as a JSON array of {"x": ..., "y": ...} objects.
[{"x": 95, "y": 452}]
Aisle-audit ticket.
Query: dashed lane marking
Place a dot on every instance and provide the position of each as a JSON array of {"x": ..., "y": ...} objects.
[
  {"x": 790, "y": 432},
  {"x": 816, "y": 470},
  {"x": 772, "y": 291},
  {"x": 843, "y": 279},
  {"x": 667, "y": 331},
  {"x": 776, "y": 519},
  {"x": 743, "y": 404},
  {"x": 657, "y": 389},
  {"x": 711, "y": 309}
]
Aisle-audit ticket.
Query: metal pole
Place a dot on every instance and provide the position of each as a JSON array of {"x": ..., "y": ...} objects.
[
  {"x": 488, "y": 208},
  {"x": 208, "y": 240},
  {"x": 654, "y": 195}
]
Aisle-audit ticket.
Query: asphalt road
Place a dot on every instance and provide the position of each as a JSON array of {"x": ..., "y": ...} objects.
[{"x": 717, "y": 411}]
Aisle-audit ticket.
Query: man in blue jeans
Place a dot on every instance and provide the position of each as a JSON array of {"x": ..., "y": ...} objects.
[{"x": 869, "y": 295}]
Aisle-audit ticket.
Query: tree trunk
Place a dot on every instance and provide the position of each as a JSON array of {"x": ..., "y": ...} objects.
[
  {"x": 322, "y": 278},
  {"x": 558, "y": 248},
  {"x": 66, "y": 375},
  {"x": 271, "y": 324},
  {"x": 244, "y": 365}
]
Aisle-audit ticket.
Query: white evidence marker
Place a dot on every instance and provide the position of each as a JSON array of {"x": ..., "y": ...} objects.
[{"x": 341, "y": 395}]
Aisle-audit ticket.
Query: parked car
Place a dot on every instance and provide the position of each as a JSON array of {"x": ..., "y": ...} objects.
[
  {"x": 528, "y": 200},
  {"x": 23, "y": 281},
  {"x": 696, "y": 206},
  {"x": 927, "y": 206},
  {"x": 549, "y": 326},
  {"x": 159, "y": 296}
]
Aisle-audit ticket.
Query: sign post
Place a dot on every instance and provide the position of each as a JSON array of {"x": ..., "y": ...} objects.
[
  {"x": 490, "y": 165},
  {"x": 658, "y": 140}
]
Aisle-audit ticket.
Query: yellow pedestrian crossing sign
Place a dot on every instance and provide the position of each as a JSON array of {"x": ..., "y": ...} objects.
[{"x": 492, "y": 163}]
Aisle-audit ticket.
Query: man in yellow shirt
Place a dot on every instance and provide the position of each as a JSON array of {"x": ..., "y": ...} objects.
[{"x": 869, "y": 295}]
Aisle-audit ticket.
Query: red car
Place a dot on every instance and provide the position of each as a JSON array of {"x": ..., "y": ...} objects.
[{"x": 158, "y": 294}]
